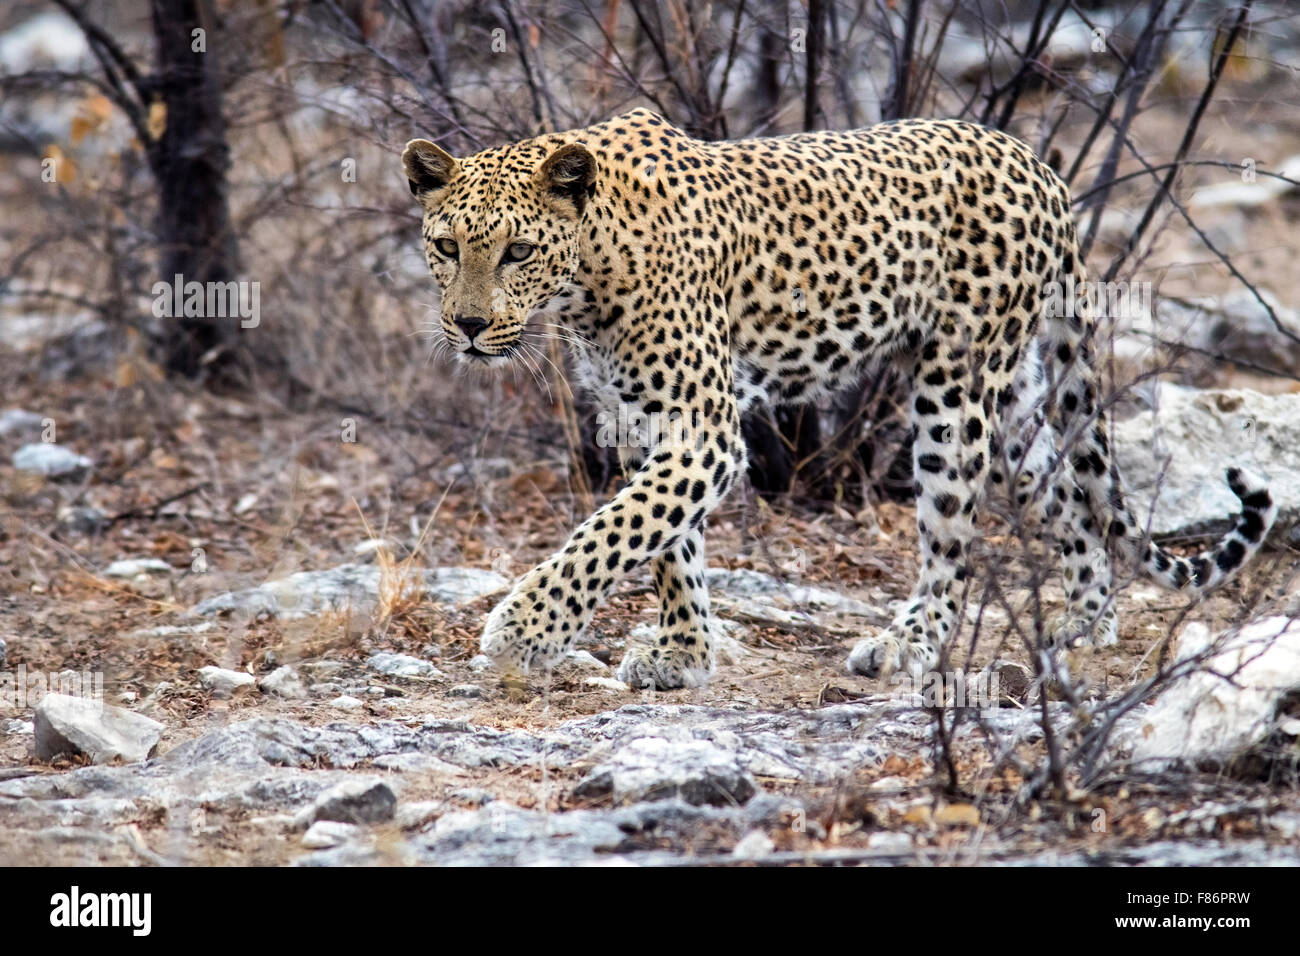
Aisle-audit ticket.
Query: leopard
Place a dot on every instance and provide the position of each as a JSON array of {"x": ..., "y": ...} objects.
[{"x": 692, "y": 280}]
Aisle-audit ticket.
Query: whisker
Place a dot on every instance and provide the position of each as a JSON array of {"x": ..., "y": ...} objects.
[
  {"x": 535, "y": 371},
  {"x": 541, "y": 373},
  {"x": 547, "y": 359},
  {"x": 578, "y": 344},
  {"x": 573, "y": 333}
]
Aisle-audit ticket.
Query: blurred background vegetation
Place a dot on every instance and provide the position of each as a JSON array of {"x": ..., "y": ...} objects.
[{"x": 257, "y": 140}]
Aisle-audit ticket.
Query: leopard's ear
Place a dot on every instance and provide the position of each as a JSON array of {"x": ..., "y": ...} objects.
[
  {"x": 568, "y": 177},
  {"x": 428, "y": 168}
]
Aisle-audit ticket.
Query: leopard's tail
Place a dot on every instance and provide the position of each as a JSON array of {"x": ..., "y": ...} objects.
[{"x": 1071, "y": 336}]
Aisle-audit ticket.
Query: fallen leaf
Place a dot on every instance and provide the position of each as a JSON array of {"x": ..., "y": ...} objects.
[
  {"x": 957, "y": 815},
  {"x": 917, "y": 816},
  {"x": 157, "y": 124}
]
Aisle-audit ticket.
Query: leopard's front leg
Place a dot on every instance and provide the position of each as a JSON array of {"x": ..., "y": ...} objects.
[
  {"x": 658, "y": 514},
  {"x": 682, "y": 652}
]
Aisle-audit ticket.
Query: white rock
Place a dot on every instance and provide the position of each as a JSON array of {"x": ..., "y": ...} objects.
[
  {"x": 284, "y": 682},
  {"x": 1199, "y": 435},
  {"x": 418, "y": 813},
  {"x": 657, "y": 768},
  {"x": 1286, "y": 825},
  {"x": 971, "y": 58},
  {"x": 1238, "y": 193},
  {"x": 130, "y": 567},
  {"x": 1235, "y": 192},
  {"x": 606, "y": 683},
  {"x": 16, "y": 420},
  {"x": 1238, "y": 324},
  {"x": 50, "y": 39},
  {"x": 354, "y": 801},
  {"x": 753, "y": 845},
  {"x": 78, "y": 725},
  {"x": 347, "y": 587},
  {"x": 225, "y": 683},
  {"x": 1244, "y": 326},
  {"x": 585, "y": 661},
  {"x": 890, "y": 841},
  {"x": 347, "y": 702},
  {"x": 324, "y": 834},
  {"x": 303, "y": 594},
  {"x": 1227, "y": 704},
  {"x": 480, "y": 662},
  {"x": 401, "y": 665},
  {"x": 50, "y": 460},
  {"x": 456, "y": 585}
]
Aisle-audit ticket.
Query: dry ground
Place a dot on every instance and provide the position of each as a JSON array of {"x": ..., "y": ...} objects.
[
  {"x": 259, "y": 491},
  {"x": 266, "y": 494}
]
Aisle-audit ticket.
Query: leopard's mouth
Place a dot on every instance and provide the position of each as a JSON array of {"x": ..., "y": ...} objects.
[{"x": 499, "y": 357}]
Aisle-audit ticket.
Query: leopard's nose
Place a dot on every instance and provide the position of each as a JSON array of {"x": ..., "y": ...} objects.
[{"x": 470, "y": 325}]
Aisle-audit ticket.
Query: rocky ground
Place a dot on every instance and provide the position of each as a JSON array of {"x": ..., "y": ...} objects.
[
  {"x": 291, "y": 683},
  {"x": 283, "y": 607}
]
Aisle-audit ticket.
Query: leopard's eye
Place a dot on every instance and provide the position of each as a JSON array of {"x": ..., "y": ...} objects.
[
  {"x": 446, "y": 247},
  {"x": 518, "y": 252}
]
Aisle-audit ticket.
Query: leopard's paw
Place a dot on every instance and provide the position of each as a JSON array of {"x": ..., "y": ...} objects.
[
  {"x": 1071, "y": 630},
  {"x": 656, "y": 668},
  {"x": 515, "y": 643},
  {"x": 887, "y": 654}
]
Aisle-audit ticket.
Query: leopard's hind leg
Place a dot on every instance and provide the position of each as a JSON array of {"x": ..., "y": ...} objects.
[
  {"x": 954, "y": 415},
  {"x": 1037, "y": 477}
]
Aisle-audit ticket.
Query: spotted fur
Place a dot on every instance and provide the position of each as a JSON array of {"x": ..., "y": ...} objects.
[{"x": 696, "y": 278}]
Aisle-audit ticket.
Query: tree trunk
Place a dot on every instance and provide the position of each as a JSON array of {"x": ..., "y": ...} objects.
[
  {"x": 190, "y": 160},
  {"x": 771, "y": 49}
]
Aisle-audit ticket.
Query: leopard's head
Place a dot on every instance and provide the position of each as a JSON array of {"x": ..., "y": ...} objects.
[{"x": 500, "y": 235}]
